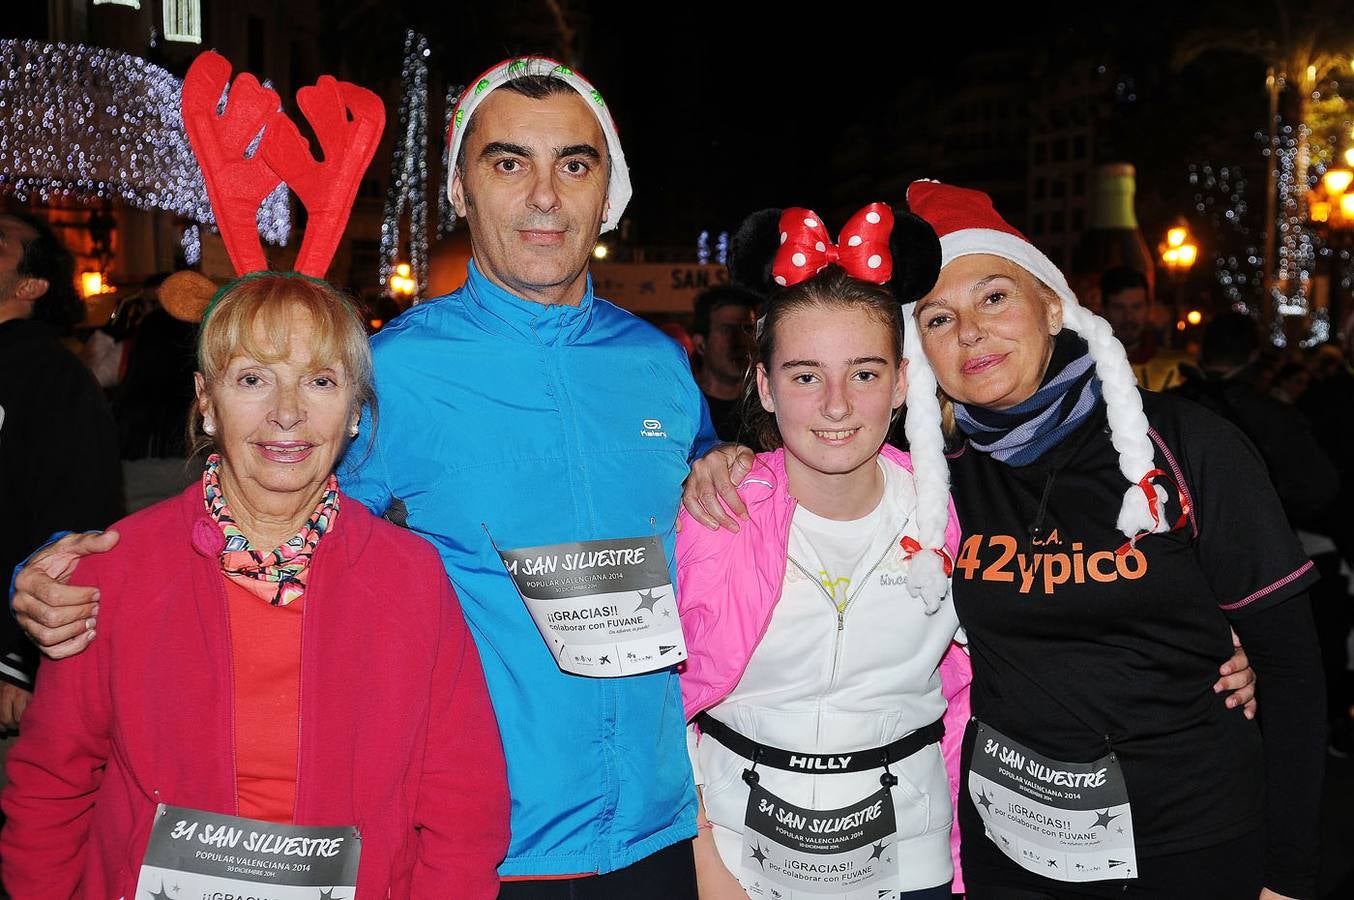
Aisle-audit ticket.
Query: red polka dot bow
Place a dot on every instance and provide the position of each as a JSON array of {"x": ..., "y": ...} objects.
[{"x": 863, "y": 248}]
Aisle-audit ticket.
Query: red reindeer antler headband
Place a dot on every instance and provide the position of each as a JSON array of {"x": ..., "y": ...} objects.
[{"x": 347, "y": 120}]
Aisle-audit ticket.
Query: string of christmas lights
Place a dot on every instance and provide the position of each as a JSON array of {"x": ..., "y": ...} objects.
[
  {"x": 1295, "y": 252},
  {"x": 87, "y": 123},
  {"x": 1319, "y": 330},
  {"x": 1220, "y": 196},
  {"x": 1330, "y": 116},
  {"x": 1297, "y": 160},
  {"x": 409, "y": 168},
  {"x": 192, "y": 245}
]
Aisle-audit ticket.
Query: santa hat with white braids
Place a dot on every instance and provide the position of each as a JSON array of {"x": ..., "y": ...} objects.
[{"x": 967, "y": 224}]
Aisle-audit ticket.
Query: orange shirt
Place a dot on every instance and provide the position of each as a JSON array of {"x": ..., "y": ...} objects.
[{"x": 265, "y": 649}]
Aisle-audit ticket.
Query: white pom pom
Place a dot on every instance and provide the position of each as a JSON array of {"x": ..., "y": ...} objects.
[
  {"x": 1135, "y": 516},
  {"x": 927, "y": 580}
]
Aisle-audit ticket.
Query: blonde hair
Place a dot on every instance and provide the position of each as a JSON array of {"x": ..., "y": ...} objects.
[{"x": 253, "y": 315}]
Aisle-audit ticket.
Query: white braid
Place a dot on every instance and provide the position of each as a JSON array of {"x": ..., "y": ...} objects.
[
  {"x": 1128, "y": 423},
  {"x": 931, "y": 472}
]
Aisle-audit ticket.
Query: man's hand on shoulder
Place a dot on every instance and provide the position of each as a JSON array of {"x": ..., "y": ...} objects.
[
  {"x": 13, "y": 702},
  {"x": 57, "y": 617},
  {"x": 712, "y": 477}
]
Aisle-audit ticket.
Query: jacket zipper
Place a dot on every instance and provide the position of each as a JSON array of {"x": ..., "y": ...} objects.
[
  {"x": 230, "y": 667},
  {"x": 569, "y": 424},
  {"x": 836, "y": 646},
  {"x": 837, "y": 639},
  {"x": 841, "y": 613},
  {"x": 301, "y": 693}
]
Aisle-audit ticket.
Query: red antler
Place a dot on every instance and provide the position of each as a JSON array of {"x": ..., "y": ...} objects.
[
  {"x": 236, "y": 185},
  {"x": 348, "y": 121}
]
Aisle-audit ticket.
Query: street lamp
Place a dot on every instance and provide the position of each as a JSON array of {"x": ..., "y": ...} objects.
[
  {"x": 402, "y": 284},
  {"x": 1334, "y": 206},
  {"x": 91, "y": 283},
  {"x": 1178, "y": 253},
  {"x": 1332, "y": 211}
]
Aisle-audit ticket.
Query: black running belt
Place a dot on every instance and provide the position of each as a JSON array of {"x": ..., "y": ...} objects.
[{"x": 820, "y": 763}]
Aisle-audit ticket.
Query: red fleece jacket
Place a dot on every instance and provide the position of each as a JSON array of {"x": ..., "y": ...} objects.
[{"x": 397, "y": 735}]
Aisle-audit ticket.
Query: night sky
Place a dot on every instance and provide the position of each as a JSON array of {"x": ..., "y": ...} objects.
[{"x": 726, "y": 108}]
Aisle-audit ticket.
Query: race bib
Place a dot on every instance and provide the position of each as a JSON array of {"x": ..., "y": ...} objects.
[
  {"x": 790, "y": 853},
  {"x": 604, "y": 608},
  {"x": 202, "y": 854},
  {"x": 1064, "y": 821}
]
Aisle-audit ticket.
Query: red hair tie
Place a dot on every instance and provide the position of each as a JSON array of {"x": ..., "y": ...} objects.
[
  {"x": 1146, "y": 486},
  {"x": 862, "y": 249},
  {"x": 911, "y": 548}
]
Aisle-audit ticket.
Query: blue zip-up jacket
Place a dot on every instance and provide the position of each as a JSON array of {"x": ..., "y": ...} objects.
[{"x": 534, "y": 424}]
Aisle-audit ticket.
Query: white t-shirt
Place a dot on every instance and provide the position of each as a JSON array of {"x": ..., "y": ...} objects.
[{"x": 840, "y": 554}]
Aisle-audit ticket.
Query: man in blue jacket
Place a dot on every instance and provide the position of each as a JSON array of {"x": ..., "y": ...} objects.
[
  {"x": 523, "y": 411},
  {"x": 524, "y": 421}
]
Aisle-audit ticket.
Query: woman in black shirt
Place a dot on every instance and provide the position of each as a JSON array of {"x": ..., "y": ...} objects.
[{"x": 1111, "y": 538}]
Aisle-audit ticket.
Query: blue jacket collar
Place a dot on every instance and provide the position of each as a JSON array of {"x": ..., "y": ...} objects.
[{"x": 502, "y": 311}]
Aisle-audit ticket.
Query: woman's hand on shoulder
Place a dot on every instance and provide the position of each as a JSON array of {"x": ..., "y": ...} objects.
[
  {"x": 13, "y": 702},
  {"x": 1239, "y": 678},
  {"x": 713, "y": 477}
]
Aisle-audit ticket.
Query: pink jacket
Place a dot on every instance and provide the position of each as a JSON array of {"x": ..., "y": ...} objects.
[
  {"x": 397, "y": 735},
  {"x": 713, "y": 566}
]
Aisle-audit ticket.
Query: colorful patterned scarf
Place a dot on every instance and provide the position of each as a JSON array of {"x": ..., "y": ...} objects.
[
  {"x": 1020, "y": 435},
  {"x": 278, "y": 576}
]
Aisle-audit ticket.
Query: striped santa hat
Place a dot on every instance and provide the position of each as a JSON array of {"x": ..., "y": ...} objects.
[
  {"x": 618, "y": 185},
  {"x": 967, "y": 224}
]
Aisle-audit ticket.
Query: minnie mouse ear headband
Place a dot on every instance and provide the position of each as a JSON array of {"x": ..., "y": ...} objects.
[
  {"x": 618, "y": 188},
  {"x": 967, "y": 224},
  {"x": 346, "y": 119},
  {"x": 779, "y": 249},
  {"x": 776, "y": 248},
  {"x": 863, "y": 253}
]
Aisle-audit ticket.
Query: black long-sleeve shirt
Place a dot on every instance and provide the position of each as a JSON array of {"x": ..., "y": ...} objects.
[
  {"x": 1281, "y": 643},
  {"x": 1077, "y": 647}
]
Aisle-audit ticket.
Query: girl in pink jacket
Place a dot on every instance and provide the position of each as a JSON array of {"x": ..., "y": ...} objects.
[{"x": 820, "y": 635}]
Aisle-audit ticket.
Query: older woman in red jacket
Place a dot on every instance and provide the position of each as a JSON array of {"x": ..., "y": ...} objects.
[{"x": 284, "y": 692}]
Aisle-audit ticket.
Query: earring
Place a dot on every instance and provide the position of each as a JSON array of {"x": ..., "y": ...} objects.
[{"x": 208, "y": 427}]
